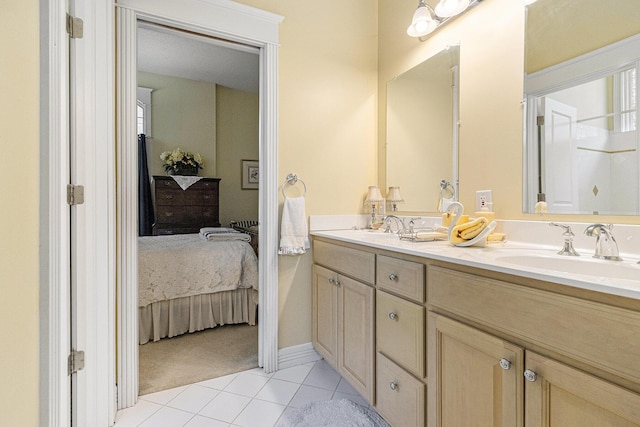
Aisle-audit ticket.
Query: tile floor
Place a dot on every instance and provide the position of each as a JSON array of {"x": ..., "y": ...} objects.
[{"x": 250, "y": 398}]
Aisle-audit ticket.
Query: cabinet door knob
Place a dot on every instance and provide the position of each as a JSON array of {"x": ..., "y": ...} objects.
[
  {"x": 393, "y": 277},
  {"x": 505, "y": 364},
  {"x": 338, "y": 282},
  {"x": 393, "y": 316},
  {"x": 393, "y": 385},
  {"x": 530, "y": 375},
  {"x": 332, "y": 280}
]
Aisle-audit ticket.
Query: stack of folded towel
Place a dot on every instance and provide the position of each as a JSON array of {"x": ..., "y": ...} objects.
[
  {"x": 468, "y": 230},
  {"x": 219, "y": 234}
]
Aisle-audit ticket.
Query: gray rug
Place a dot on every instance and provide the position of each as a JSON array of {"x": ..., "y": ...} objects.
[
  {"x": 191, "y": 358},
  {"x": 330, "y": 413}
]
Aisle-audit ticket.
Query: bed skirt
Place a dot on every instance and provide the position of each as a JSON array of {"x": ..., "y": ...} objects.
[{"x": 190, "y": 314}]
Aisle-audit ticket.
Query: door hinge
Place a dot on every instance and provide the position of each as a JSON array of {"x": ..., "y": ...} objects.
[
  {"x": 540, "y": 120},
  {"x": 75, "y": 194},
  {"x": 75, "y": 27},
  {"x": 76, "y": 361}
]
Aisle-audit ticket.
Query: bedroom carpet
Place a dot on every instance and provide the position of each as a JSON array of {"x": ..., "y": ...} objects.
[{"x": 191, "y": 358}]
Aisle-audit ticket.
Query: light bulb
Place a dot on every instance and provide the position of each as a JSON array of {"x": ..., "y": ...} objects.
[{"x": 449, "y": 8}]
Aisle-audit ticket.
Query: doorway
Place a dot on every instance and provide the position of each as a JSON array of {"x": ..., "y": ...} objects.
[
  {"x": 201, "y": 95},
  {"x": 213, "y": 21}
]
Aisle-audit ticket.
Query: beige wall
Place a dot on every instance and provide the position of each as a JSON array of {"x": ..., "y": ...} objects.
[
  {"x": 183, "y": 115},
  {"x": 237, "y": 139},
  {"x": 327, "y": 124},
  {"x": 19, "y": 213}
]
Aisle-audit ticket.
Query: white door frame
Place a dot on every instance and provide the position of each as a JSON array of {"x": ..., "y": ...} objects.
[
  {"x": 93, "y": 163},
  {"x": 231, "y": 21}
]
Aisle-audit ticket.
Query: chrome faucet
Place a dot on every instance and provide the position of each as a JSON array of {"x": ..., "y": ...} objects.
[
  {"x": 606, "y": 245},
  {"x": 567, "y": 249},
  {"x": 399, "y": 223}
]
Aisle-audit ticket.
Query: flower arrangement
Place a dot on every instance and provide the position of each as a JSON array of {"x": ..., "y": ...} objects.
[{"x": 180, "y": 162}]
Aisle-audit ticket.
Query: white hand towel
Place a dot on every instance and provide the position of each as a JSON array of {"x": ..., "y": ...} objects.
[
  {"x": 294, "y": 235},
  {"x": 186, "y": 181}
]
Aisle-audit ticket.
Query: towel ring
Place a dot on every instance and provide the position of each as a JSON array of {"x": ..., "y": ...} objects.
[{"x": 292, "y": 179}]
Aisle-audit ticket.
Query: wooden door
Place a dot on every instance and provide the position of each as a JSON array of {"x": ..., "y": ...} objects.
[
  {"x": 356, "y": 335},
  {"x": 325, "y": 313},
  {"x": 475, "y": 379},
  {"x": 562, "y": 396}
]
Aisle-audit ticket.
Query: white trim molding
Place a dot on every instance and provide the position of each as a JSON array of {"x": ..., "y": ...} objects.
[
  {"x": 297, "y": 355},
  {"x": 221, "y": 19}
]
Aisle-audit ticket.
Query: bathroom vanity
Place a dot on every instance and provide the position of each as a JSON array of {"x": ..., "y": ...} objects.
[{"x": 436, "y": 335}]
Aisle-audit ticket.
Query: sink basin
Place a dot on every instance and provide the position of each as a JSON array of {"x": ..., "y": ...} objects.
[{"x": 575, "y": 265}]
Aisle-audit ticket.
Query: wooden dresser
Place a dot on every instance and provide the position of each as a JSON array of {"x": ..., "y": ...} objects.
[{"x": 181, "y": 211}]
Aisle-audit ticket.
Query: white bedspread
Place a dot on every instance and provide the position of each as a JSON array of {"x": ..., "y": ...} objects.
[{"x": 185, "y": 265}]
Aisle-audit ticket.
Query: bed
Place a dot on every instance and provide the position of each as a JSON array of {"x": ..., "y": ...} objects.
[{"x": 187, "y": 284}]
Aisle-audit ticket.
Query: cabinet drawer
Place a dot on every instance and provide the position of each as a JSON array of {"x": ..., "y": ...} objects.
[
  {"x": 400, "y": 331},
  {"x": 181, "y": 214},
  {"x": 403, "y": 277},
  {"x": 400, "y": 398},
  {"x": 593, "y": 333},
  {"x": 352, "y": 262}
]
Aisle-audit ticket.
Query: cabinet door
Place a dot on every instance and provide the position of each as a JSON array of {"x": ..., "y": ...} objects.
[
  {"x": 325, "y": 313},
  {"x": 356, "y": 335},
  {"x": 561, "y": 396},
  {"x": 475, "y": 379}
]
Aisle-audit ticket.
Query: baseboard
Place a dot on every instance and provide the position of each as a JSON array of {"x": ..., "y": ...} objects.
[{"x": 297, "y": 355}]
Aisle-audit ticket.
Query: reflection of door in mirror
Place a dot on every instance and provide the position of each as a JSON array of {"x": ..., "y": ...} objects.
[
  {"x": 422, "y": 111},
  {"x": 587, "y": 164}
]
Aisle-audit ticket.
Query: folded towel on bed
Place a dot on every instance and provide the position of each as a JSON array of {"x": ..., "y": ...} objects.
[
  {"x": 223, "y": 234},
  {"x": 294, "y": 235}
]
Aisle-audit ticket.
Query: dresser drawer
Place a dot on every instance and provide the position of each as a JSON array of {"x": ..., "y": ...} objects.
[
  {"x": 400, "y": 398},
  {"x": 198, "y": 215},
  {"x": 593, "y": 333},
  {"x": 400, "y": 331},
  {"x": 402, "y": 277},
  {"x": 358, "y": 264}
]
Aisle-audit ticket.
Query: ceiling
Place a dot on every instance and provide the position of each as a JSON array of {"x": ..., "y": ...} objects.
[{"x": 179, "y": 54}]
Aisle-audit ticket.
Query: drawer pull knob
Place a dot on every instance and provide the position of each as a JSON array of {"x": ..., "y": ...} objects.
[
  {"x": 505, "y": 364},
  {"x": 168, "y": 196},
  {"x": 393, "y": 316},
  {"x": 393, "y": 277},
  {"x": 168, "y": 213},
  {"x": 530, "y": 375},
  {"x": 393, "y": 385}
]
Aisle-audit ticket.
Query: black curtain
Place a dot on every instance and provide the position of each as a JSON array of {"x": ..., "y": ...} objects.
[{"x": 145, "y": 205}]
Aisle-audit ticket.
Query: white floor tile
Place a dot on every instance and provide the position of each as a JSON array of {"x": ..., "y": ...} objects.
[
  {"x": 193, "y": 399},
  {"x": 258, "y": 371},
  {"x": 259, "y": 413},
  {"x": 218, "y": 383},
  {"x": 246, "y": 384},
  {"x": 307, "y": 394},
  {"x": 295, "y": 374},
  {"x": 164, "y": 396},
  {"x": 284, "y": 414},
  {"x": 278, "y": 391},
  {"x": 323, "y": 378},
  {"x": 225, "y": 407},
  {"x": 132, "y": 417},
  {"x": 167, "y": 417},
  {"x": 345, "y": 387},
  {"x": 200, "y": 421}
]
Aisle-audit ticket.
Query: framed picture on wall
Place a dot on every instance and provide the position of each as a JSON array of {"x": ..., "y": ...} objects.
[{"x": 250, "y": 174}]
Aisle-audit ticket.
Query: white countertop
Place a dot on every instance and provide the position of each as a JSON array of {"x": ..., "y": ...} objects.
[{"x": 620, "y": 278}]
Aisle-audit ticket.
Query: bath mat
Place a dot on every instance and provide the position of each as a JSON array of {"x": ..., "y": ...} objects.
[{"x": 333, "y": 413}]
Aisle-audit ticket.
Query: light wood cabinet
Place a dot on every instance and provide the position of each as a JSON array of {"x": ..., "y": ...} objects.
[
  {"x": 475, "y": 378},
  {"x": 473, "y": 347},
  {"x": 343, "y": 327},
  {"x": 562, "y": 396}
]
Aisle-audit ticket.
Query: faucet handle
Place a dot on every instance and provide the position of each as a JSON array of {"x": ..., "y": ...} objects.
[{"x": 567, "y": 248}]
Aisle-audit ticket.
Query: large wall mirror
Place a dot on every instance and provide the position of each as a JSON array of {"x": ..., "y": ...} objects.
[
  {"x": 582, "y": 62},
  {"x": 422, "y": 132}
]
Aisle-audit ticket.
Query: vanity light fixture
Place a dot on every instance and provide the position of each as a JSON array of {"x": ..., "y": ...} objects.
[
  {"x": 374, "y": 198},
  {"x": 449, "y": 8},
  {"x": 423, "y": 22},
  {"x": 394, "y": 198},
  {"x": 426, "y": 20}
]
